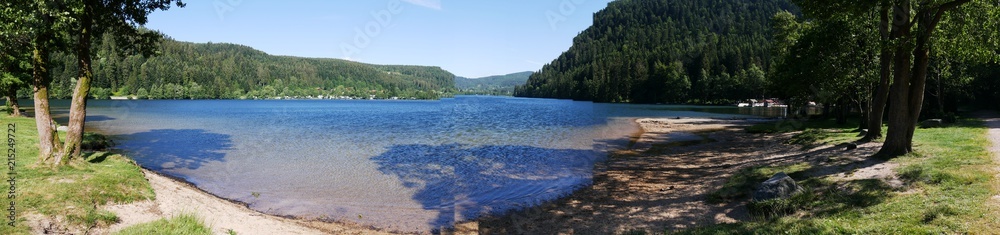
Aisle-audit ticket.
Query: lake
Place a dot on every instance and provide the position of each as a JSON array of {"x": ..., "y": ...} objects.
[{"x": 409, "y": 166}]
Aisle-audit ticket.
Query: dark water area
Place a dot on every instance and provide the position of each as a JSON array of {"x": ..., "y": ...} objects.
[{"x": 410, "y": 166}]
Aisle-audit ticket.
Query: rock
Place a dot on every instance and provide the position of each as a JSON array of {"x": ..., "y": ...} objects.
[
  {"x": 862, "y": 132},
  {"x": 778, "y": 186},
  {"x": 62, "y": 128},
  {"x": 848, "y": 146},
  {"x": 930, "y": 123},
  {"x": 852, "y": 146}
]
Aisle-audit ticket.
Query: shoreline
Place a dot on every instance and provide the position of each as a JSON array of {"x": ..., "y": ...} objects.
[
  {"x": 222, "y": 214},
  {"x": 658, "y": 185},
  {"x": 176, "y": 196}
]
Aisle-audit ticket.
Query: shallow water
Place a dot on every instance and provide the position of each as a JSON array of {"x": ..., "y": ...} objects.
[{"x": 409, "y": 166}]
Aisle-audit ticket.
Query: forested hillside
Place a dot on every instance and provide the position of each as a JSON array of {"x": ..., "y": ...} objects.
[
  {"x": 492, "y": 85},
  {"x": 183, "y": 70},
  {"x": 665, "y": 51}
]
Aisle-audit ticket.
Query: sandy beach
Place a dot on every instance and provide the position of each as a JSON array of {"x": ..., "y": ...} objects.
[
  {"x": 174, "y": 197},
  {"x": 658, "y": 183}
]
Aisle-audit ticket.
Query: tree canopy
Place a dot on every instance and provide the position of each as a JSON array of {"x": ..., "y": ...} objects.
[
  {"x": 492, "y": 85},
  {"x": 658, "y": 51},
  {"x": 183, "y": 70}
]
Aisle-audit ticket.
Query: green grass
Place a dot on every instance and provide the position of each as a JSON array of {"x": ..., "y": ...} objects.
[
  {"x": 791, "y": 125},
  {"x": 75, "y": 192},
  {"x": 178, "y": 225},
  {"x": 950, "y": 180},
  {"x": 743, "y": 181},
  {"x": 812, "y": 133}
]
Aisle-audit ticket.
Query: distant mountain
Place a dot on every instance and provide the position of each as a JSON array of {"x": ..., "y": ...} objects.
[
  {"x": 184, "y": 70},
  {"x": 665, "y": 51},
  {"x": 492, "y": 85}
]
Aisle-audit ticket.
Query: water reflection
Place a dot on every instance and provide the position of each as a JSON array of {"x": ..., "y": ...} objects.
[
  {"x": 463, "y": 182},
  {"x": 168, "y": 149}
]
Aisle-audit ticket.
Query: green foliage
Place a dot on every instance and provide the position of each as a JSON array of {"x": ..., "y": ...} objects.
[
  {"x": 643, "y": 50},
  {"x": 182, "y": 70},
  {"x": 184, "y": 224},
  {"x": 827, "y": 60},
  {"x": 492, "y": 85}
]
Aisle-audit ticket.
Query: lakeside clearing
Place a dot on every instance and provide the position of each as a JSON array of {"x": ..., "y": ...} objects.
[{"x": 695, "y": 184}]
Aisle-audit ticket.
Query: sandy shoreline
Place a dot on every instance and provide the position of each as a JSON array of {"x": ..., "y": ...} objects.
[
  {"x": 659, "y": 185},
  {"x": 175, "y": 197},
  {"x": 653, "y": 185}
]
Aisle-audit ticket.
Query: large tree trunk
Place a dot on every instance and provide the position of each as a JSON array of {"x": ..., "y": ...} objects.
[
  {"x": 897, "y": 138},
  {"x": 78, "y": 108},
  {"x": 908, "y": 94},
  {"x": 881, "y": 95},
  {"x": 47, "y": 139}
]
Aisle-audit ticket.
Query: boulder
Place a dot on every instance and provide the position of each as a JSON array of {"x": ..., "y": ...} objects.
[
  {"x": 930, "y": 123},
  {"x": 778, "y": 186},
  {"x": 62, "y": 128}
]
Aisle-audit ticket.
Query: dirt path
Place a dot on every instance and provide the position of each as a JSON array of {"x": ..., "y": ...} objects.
[
  {"x": 174, "y": 197},
  {"x": 993, "y": 123}
]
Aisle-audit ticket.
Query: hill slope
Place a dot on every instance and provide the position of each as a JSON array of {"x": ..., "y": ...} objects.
[
  {"x": 492, "y": 85},
  {"x": 222, "y": 70},
  {"x": 653, "y": 51}
]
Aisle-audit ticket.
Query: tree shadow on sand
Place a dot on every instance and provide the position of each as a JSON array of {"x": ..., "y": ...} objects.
[
  {"x": 175, "y": 148},
  {"x": 463, "y": 182}
]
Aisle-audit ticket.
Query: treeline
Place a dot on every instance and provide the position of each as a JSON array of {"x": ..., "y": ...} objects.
[
  {"x": 492, "y": 85},
  {"x": 183, "y": 70},
  {"x": 665, "y": 51}
]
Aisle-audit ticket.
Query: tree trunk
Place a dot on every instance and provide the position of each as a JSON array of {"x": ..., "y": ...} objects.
[
  {"x": 12, "y": 102},
  {"x": 842, "y": 109},
  {"x": 906, "y": 105},
  {"x": 47, "y": 138},
  {"x": 866, "y": 107},
  {"x": 78, "y": 107},
  {"x": 921, "y": 57},
  {"x": 896, "y": 141},
  {"x": 881, "y": 95}
]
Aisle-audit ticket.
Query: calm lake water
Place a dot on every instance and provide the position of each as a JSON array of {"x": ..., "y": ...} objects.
[{"x": 409, "y": 166}]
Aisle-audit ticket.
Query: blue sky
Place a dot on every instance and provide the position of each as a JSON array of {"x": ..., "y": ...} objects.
[{"x": 472, "y": 38}]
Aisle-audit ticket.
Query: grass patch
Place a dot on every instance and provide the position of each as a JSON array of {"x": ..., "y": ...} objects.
[
  {"x": 792, "y": 125},
  {"x": 73, "y": 193},
  {"x": 179, "y": 225},
  {"x": 950, "y": 185},
  {"x": 812, "y": 133}
]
